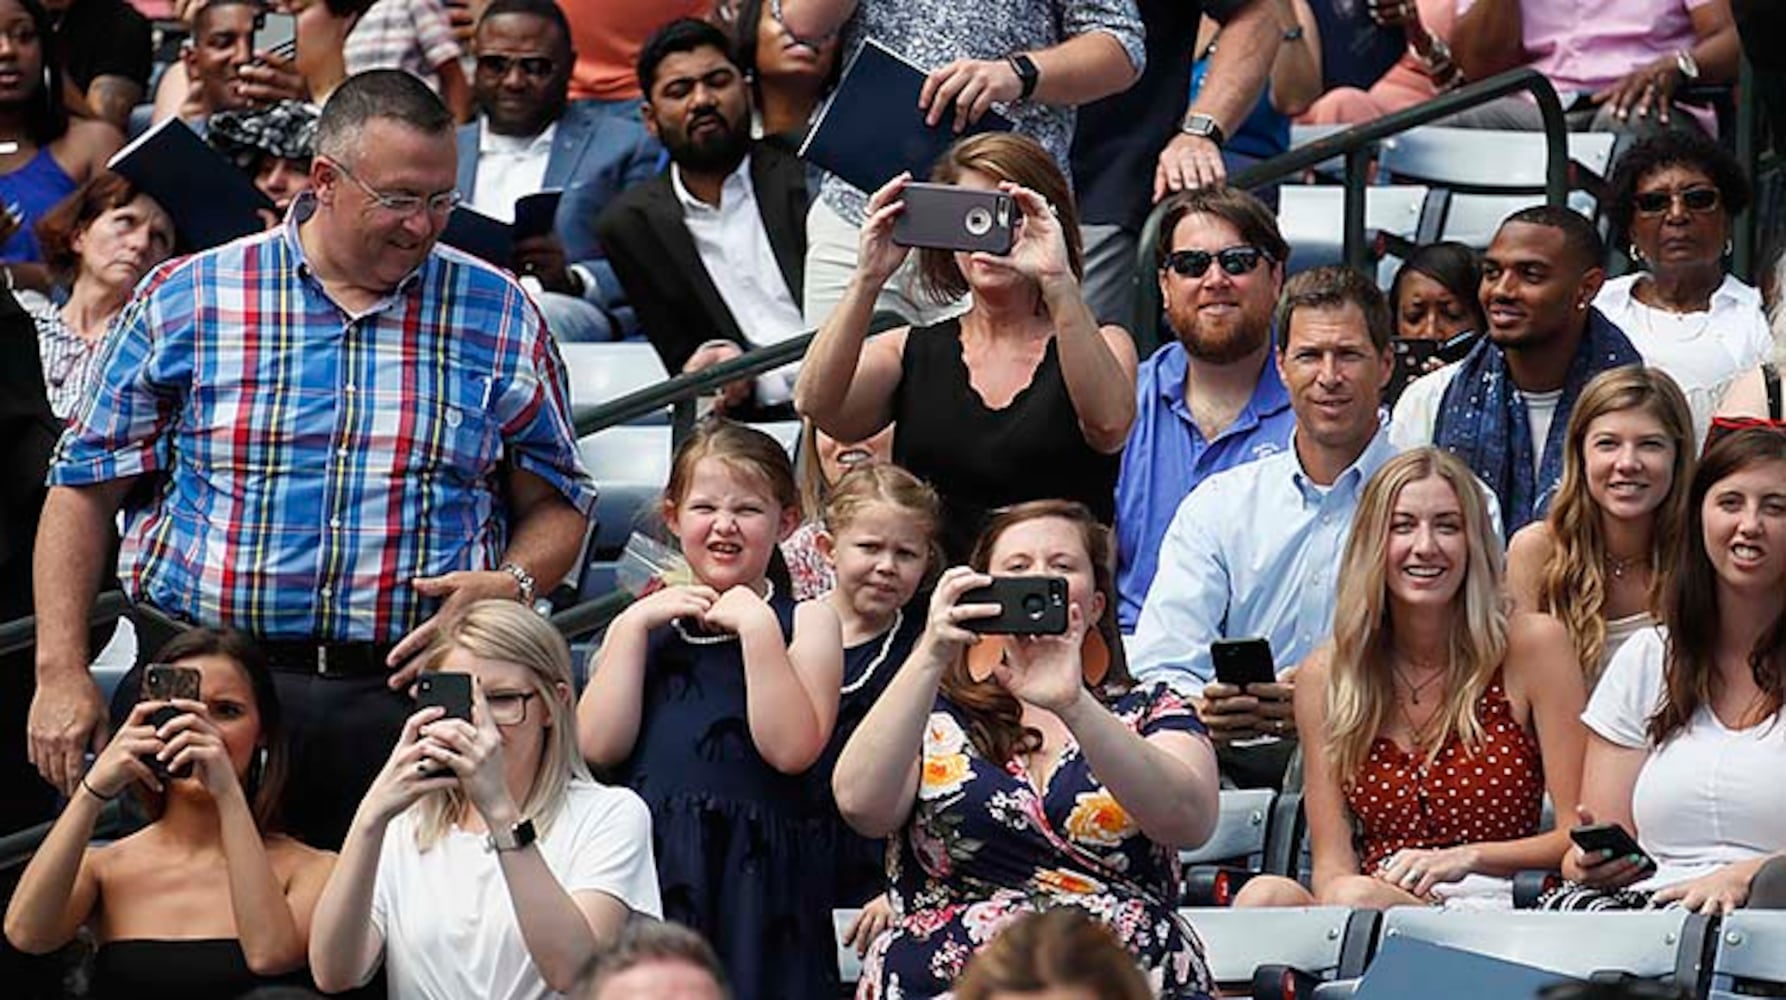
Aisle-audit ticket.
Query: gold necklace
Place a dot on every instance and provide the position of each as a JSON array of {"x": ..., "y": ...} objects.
[
  {"x": 1617, "y": 566},
  {"x": 1413, "y": 688}
]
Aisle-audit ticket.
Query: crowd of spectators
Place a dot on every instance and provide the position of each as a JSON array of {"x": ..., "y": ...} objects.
[{"x": 1523, "y": 514}]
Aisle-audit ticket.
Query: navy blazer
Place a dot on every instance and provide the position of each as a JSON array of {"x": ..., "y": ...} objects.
[
  {"x": 595, "y": 155},
  {"x": 666, "y": 281}
]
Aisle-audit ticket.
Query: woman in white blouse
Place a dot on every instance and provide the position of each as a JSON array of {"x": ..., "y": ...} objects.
[
  {"x": 484, "y": 861},
  {"x": 1687, "y": 747},
  {"x": 1673, "y": 200}
]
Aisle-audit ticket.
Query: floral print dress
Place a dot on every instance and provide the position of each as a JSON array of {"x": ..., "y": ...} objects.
[{"x": 983, "y": 848}]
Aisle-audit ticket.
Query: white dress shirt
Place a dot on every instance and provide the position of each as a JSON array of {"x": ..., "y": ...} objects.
[
  {"x": 510, "y": 167},
  {"x": 734, "y": 248}
]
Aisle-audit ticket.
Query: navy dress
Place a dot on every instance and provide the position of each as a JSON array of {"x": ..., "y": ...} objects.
[{"x": 736, "y": 840}]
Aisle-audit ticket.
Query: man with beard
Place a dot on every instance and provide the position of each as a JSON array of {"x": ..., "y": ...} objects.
[
  {"x": 1505, "y": 408},
  {"x": 1252, "y": 551},
  {"x": 1211, "y": 400},
  {"x": 350, "y": 435},
  {"x": 528, "y": 138},
  {"x": 710, "y": 253}
]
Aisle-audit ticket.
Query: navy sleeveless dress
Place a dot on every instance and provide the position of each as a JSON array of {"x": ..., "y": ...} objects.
[{"x": 737, "y": 842}]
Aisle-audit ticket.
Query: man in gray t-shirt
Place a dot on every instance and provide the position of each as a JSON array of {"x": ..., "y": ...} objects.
[{"x": 1037, "y": 59}]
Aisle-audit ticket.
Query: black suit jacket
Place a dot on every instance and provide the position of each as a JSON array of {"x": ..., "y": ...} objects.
[{"x": 655, "y": 259}]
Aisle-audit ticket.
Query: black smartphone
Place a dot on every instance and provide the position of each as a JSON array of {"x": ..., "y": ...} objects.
[
  {"x": 1412, "y": 357},
  {"x": 165, "y": 682},
  {"x": 1610, "y": 837},
  {"x": 947, "y": 217},
  {"x": 1243, "y": 661},
  {"x": 1028, "y": 605},
  {"x": 451, "y": 691},
  {"x": 276, "y": 33}
]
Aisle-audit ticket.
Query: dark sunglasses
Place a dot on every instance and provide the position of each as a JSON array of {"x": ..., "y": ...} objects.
[
  {"x": 538, "y": 67},
  {"x": 1234, "y": 260},
  {"x": 1699, "y": 199}
]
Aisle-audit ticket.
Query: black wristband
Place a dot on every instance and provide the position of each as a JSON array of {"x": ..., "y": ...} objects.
[
  {"x": 95, "y": 792},
  {"x": 1027, "y": 73}
]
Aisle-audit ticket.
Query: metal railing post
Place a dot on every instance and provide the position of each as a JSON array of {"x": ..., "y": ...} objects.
[{"x": 1357, "y": 252}]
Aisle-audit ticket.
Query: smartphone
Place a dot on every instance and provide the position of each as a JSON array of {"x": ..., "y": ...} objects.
[
  {"x": 946, "y": 217},
  {"x": 165, "y": 682},
  {"x": 276, "y": 33},
  {"x": 1243, "y": 661},
  {"x": 1413, "y": 357},
  {"x": 1610, "y": 837},
  {"x": 449, "y": 691},
  {"x": 1028, "y": 605}
]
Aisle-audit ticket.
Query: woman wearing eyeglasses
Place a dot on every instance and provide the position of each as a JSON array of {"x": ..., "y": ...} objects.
[
  {"x": 1022, "y": 397},
  {"x": 1672, "y": 201},
  {"x": 484, "y": 860}
]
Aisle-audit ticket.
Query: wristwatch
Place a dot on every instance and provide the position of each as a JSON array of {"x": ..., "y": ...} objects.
[
  {"x": 1203, "y": 126},
  {"x": 1293, "y": 33},
  {"x": 1689, "y": 66},
  {"x": 1027, "y": 73},
  {"x": 514, "y": 838},
  {"x": 523, "y": 580}
]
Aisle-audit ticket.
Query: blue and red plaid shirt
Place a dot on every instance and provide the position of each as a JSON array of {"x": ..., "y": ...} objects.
[{"x": 307, "y": 464}]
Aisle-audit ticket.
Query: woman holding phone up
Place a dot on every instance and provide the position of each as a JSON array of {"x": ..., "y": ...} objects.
[
  {"x": 1022, "y": 397},
  {"x": 208, "y": 900},
  {"x": 1021, "y": 772}
]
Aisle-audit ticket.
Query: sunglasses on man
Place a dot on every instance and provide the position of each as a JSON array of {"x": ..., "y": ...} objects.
[{"x": 1235, "y": 261}]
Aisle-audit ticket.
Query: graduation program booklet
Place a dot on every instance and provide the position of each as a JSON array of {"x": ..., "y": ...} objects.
[
  {"x": 209, "y": 199},
  {"x": 494, "y": 240},
  {"x": 871, "y": 128}
]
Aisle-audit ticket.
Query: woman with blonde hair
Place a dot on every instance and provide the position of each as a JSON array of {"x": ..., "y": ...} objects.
[
  {"x": 1433, "y": 723},
  {"x": 484, "y": 860},
  {"x": 1597, "y": 561}
]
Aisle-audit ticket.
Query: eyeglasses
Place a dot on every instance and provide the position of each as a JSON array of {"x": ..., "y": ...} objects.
[
  {"x": 1234, "y": 260},
  {"x": 405, "y": 205},
  {"x": 509, "y": 708},
  {"x": 1699, "y": 199},
  {"x": 537, "y": 67},
  {"x": 814, "y": 42}
]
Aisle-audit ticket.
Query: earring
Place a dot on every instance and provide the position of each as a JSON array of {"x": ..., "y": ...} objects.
[
  {"x": 257, "y": 768},
  {"x": 1635, "y": 254},
  {"x": 1729, "y": 246}
]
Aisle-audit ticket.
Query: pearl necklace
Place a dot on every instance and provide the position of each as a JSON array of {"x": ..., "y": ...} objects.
[
  {"x": 880, "y": 657},
  {"x": 714, "y": 640}
]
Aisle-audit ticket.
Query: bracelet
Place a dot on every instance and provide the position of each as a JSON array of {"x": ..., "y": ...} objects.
[
  {"x": 523, "y": 581},
  {"x": 95, "y": 792}
]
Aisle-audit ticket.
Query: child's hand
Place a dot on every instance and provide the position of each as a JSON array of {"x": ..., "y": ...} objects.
[
  {"x": 735, "y": 608},
  {"x": 658, "y": 609}
]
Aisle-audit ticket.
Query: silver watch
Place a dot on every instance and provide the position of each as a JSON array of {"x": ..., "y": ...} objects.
[
  {"x": 514, "y": 838},
  {"x": 1689, "y": 66},
  {"x": 523, "y": 579}
]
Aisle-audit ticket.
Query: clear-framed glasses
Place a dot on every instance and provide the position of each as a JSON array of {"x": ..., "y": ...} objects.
[
  {"x": 509, "y": 708},
  {"x": 406, "y": 205}
]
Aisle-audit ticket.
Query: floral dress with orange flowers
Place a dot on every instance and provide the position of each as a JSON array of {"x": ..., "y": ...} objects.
[{"x": 983, "y": 848}]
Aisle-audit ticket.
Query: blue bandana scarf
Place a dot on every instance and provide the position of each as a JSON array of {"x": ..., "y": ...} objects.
[{"x": 1482, "y": 420}]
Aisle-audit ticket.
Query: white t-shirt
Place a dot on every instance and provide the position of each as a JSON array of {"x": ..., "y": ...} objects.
[
  {"x": 447, "y": 919},
  {"x": 1416, "y": 416},
  {"x": 1701, "y": 350},
  {"x": 1710, "y": 796}
]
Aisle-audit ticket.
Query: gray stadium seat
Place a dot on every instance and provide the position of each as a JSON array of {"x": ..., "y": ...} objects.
[
  {"x": 630, "y": 465},
  {"x": 599, "y": 373},
  {"x": 1751, "y": 954},
  {"x": 1240, "y": 830},
  {"x": 1489, "y": 161},
  {"x": 1662, "y": 944},
  {"x": 849, "y": 967},
  {"x": 1312, "y": 220},
  {"x": 1322, "y": 941}
]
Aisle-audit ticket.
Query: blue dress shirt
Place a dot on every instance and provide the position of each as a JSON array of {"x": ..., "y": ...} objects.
[
  {"x": 1254, "y": 551},
  {"x": 1167, "y": 456}
]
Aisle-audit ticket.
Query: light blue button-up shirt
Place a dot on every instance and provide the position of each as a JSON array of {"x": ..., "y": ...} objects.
[{"x": 1253, "y": 551}]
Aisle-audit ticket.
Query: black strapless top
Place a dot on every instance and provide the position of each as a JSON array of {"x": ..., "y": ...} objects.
[{"x": 198, "y": 969}]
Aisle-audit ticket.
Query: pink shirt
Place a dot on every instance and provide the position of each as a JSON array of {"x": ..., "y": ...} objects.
[{"x": 1586, "y": 45}]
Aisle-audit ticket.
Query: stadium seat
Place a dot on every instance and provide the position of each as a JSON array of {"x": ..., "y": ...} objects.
[
  {"x": 1751, "y": 958},
  {"x": 849, "y": 966},
  {"x": 1239, "y": 831},
  {"x": 1489, "y": 161},
  {"x": 630, "y": 465},
  {"x": 1312, "y": 220},
  {"x": 1662, "y": 944},
  {"x": 600, "y": 373},
  {"x": 1262, "y": 947}
]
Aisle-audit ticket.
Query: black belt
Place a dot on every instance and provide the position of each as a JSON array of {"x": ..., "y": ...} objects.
[{"x": 304, "y": 656}]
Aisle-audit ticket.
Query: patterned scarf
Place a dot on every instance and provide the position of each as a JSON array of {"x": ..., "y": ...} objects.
[{"x": 1483, "y": 420}]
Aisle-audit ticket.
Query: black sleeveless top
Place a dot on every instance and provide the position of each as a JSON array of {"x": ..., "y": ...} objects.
[
  {"x": 198, "y": 969},
  {"x": 980, "y": 459}
]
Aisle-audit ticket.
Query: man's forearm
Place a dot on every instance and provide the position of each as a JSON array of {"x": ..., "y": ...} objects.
[
  {"x": 72, "y": 539},
  {"x": 1083, "y": 69},
  {"x": 545, "y": 540},
  {"x": 1488, "y": 39},
  {"x": 1240, "y": 66}
]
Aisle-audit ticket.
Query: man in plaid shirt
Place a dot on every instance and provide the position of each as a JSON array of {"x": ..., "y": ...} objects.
[{"x": 345, "y": 435}]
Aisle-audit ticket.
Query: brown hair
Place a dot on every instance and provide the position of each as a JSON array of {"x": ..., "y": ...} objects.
[
  {"x": 995, "y": 717},
  {"x": 1250, "y": 217},
  {"x": 1332, "y": 287},
  {"x": 264, "y": 785},
  {"x": 642, "y": 942},
  {"x": 61, "y": 225},
  {"x": 1691, "y": 610},
  {"x": 1003, "y": 156},
  {"x": 1572, "y": 583},
  {"x": 747, "y": 450},
  {"x": 1059, "y": 947}
]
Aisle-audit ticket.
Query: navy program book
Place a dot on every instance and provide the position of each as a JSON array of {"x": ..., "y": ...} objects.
[
  {"x": 871, "y": 129},
  {"x": 1410, "y": 969},
  {"x": 492, "y": 239},
  {"x": 209, "y": 199}
]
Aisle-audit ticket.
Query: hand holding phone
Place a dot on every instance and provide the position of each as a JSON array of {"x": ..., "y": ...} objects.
[
  {"x": 948, "y": 217},
  {"x": 1610, "y": 843},
  {"x": 166, "y": 682},
  {"x": 1241, "y": 662},
  {"x": 1028, "y": 605},
  {"x": 448, "y": 691}
]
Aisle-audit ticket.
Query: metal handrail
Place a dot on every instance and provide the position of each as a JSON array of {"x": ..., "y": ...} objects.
[
  {"x": 21, "y": 633},
  {"x": 1354, "y": 144}
]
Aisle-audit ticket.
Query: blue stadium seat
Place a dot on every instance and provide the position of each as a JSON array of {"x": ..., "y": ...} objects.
[
  {"x": 1751, "y": 958},
  {"x": 599, "y": 373}
]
